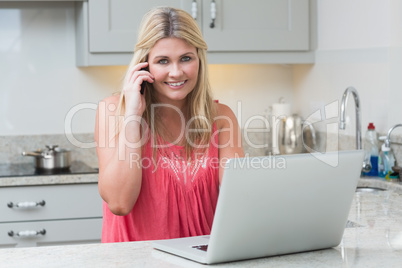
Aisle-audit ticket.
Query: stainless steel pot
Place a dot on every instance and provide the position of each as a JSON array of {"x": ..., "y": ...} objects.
[{"x": 51, "y": 158}]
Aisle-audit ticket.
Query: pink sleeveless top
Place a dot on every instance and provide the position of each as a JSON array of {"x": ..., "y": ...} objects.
[{"x": 178, "y": 199}]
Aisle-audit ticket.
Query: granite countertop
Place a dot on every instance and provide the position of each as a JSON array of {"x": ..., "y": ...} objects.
[
  {"x": 48, "y": 180},
  {"x": 26, "y": 174},
  {"x": 373, "y": 238}
]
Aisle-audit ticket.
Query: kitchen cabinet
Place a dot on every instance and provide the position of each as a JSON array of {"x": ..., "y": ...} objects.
[
  {"x": 254, "y": 31},
  {"x": 257, "y": 25},
  {"x": 50, "y": 215}
]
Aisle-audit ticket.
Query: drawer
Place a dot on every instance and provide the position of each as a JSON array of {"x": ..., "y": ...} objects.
[
  {"x": 55, "y": 233},
  {"x": 54, "y": 202}
]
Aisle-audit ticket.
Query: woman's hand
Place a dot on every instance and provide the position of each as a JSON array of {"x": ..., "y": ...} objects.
[{"x": 134, "y": 101}]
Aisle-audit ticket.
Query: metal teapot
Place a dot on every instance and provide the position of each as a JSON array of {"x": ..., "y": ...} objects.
[{"x": 294, "y": 136}]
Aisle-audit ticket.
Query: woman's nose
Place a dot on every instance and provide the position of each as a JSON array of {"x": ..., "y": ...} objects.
[{"x": 175, "y": 71}]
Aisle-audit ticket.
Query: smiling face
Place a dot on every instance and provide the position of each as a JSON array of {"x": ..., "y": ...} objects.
[{"x": 174, "y": 63}]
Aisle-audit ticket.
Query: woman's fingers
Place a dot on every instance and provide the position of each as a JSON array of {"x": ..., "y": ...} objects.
[
  {"x": 138, "y": 76},
  {"x": 140, "y": 67}
]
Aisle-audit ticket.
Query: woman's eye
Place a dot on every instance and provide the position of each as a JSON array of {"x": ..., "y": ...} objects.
[
  {"x": 186, "y": 58},
  {"x": 164, "y": 61}
]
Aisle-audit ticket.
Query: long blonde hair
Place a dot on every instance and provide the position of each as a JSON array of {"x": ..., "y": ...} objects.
[{"x": 164, "y": 22}]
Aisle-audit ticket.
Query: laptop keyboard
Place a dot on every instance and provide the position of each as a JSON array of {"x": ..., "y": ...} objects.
[{"x": 201, "y": 247}]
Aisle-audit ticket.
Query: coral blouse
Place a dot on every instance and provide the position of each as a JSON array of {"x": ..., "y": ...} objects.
[{"x": 178, "y": 199}]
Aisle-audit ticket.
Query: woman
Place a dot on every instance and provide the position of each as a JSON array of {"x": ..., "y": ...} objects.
[{"x": 162, "y": 149}]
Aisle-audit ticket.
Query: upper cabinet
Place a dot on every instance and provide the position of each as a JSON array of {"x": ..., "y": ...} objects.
[
  {"x": 256, "y": 25},
  {"x": 253, "y": 31}
]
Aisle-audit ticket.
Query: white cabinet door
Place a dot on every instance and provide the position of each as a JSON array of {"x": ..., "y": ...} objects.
[
  {"x": 50, "y": 233},
  {"x": 257, "y": 25},
  {"x": 70, "y": 201},
  {"x": 113, "y": 24}
]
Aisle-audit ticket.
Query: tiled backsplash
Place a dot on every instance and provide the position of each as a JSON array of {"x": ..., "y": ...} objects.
[
  {"x": 255, "y": 144},
  {"x": 332, "y": 142},
  {"x": 11, "y": 147}
]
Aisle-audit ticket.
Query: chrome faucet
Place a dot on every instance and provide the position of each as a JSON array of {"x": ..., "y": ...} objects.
[
  {"x": 342, "y": 124},
  {"x": 358, "y": 122},
  {"x": 387, "y": 141}
]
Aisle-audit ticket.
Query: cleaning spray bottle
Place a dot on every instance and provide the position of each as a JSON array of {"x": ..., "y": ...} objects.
[
  {"x": 386, "y": 161},
  {"x": 371, "y": 150}
]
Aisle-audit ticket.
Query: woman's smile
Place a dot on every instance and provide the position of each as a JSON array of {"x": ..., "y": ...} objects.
[{"x": 176, "y": 84}]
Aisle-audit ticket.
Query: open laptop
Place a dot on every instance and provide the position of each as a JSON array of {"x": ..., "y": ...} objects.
[{"x": 270, "y": 206}]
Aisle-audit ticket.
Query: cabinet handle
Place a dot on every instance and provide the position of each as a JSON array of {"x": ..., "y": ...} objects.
[
  {"x": 194, "y": 9},
  {"x": 27, "y": 233},
  {"x": 27, "y": 204},
  {"x": 213, "y": 14}
]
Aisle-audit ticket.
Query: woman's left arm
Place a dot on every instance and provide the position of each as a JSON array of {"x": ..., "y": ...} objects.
[{"x": 230, "y": 139}]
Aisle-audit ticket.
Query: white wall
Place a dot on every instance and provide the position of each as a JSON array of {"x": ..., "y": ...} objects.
[
  {"x": 40, "y": 83},
  {"x": 251, "y": 89},
  {"x": 359, "y": 44}
]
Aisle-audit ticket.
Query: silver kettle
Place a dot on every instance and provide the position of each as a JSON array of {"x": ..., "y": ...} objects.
[{"x": 294, "y": 136}]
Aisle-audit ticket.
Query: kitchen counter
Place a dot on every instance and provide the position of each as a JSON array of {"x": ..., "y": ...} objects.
[
  {"x": 48, "y": 180},
  {"x": 373, "y": 238},
  {"x": 25, "y": 174}
]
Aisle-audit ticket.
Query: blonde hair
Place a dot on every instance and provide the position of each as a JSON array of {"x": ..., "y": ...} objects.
[{"x": 164, "y": 22}]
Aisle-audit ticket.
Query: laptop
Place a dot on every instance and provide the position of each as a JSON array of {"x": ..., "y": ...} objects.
[{"x": 276, "y": 205}]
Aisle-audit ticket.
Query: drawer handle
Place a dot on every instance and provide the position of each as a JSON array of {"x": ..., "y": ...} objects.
[
  {"x": 213, "y": 14},
  {"x": 27, "y": 233},
  {"x": 194, "y": 9},
  {"x": 26, "y": 204}
]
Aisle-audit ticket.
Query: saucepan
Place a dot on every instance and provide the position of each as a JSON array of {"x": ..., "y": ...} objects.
[{"x": 52, "y": 157}]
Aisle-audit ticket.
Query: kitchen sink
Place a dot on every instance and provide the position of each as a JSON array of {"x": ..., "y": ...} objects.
[
  {"x": 351, "y": 224},
  {"x": 369, "y": 189}
]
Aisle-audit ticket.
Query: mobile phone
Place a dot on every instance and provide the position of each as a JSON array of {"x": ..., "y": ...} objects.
[
  {"x": 143, "y": 83},
  {"x": 142, "y": 88}
]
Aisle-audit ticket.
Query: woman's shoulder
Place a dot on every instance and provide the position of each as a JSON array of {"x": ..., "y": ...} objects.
[
  {"x": 109, "y": 104},
  {"x": 112, "y": 99},
  {"x": 224, "y": 116},
  {"x": 223, "y": 109}
]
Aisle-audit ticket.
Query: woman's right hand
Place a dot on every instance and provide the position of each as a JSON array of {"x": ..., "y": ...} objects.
[{"x": 134, "y": 100}]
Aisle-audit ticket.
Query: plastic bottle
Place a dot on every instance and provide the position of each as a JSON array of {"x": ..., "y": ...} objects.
[
  {"x": 371, "y": 148},
  {"x": 386, "y": 161}
]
